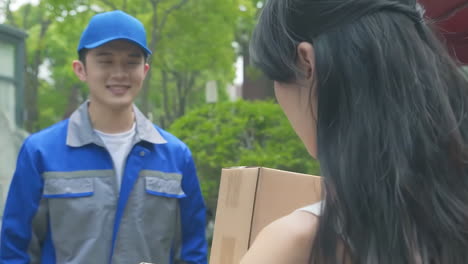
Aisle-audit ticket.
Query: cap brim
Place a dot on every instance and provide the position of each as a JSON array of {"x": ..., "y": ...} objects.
[{"x": 104, "y": 41}]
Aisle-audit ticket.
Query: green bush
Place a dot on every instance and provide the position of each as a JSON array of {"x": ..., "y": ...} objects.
[{"x": 240, "y": 134}]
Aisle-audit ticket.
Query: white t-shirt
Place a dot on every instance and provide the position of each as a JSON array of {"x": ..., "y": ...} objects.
[{"x": 118, "y": 145}]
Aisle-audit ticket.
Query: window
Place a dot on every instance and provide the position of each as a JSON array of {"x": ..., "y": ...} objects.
[
  {"x": 7, "y": 102},
  {"x": 7, "y": 57},
  {"x": 7, "y": 83},
  {"x": 12, "y": 58}
]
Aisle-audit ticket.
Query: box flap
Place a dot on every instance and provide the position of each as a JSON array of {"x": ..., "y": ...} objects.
[
  {"x": 232, "y": 225},
  {"x": 284, "y": 191}
]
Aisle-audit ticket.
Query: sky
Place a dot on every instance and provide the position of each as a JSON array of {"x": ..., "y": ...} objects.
[{"x": 15, "y": 4}]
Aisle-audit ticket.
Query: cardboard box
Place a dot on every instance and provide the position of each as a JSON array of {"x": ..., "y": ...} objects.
[{"x": 251, "y": 198}]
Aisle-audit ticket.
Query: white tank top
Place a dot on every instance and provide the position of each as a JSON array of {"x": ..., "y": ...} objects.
[{"x": 315, "y": 209}]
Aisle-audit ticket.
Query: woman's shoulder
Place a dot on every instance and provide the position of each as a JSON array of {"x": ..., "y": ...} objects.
[{"x": 286, "y": 240}]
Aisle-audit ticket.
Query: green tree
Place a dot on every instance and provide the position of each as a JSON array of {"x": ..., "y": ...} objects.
[
  {"x": 240, "y": 134},
  {"x": 36, "y": 20},
  {"x": 65, "y": 92},
  {"x": 197, "y": 48},
  {"x": 191, "y": 40}
]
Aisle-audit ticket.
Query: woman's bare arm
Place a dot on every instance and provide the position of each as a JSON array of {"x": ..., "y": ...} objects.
[{"x": 287, "y": 240}]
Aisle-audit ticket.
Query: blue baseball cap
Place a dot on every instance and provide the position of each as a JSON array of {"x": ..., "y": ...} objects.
[{"x": 113, "y": 25}]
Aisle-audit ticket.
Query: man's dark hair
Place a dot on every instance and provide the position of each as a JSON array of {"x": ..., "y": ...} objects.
[
  {"x": 82, "y": 55},
  {"x": 83, "y": 52}
]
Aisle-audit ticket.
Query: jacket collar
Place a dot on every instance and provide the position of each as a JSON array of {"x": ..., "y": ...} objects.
[{"x": 80, "y": 130}]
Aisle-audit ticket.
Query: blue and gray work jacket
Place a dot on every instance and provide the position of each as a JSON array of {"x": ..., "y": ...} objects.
[{"x": 64, "y": 205}]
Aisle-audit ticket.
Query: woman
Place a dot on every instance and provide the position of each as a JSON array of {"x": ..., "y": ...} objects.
[{"x": 377, "y": 100}]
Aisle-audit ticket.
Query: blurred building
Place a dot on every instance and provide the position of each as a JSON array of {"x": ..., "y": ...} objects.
[
  {"x": 450, "y": 17},
  {"x": 12, "y": 71}
]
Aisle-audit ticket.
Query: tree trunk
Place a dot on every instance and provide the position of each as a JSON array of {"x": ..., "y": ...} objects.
[
  {"x": 9, "y": 14},
  {"x": 152, "y": 46},
  {"x": 73, "y": 101},
  {"x": 158, "y": 25},
  {"x": 188, "y": 88},
  {"x": 179, "y": 79},
  {"x": 184, "y": 86},
  {"x": 32, "y": 111},
  {"x": 166, "y": 101}
]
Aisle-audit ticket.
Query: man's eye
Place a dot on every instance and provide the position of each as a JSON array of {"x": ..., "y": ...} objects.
[
  {"x": 134, "y": 62},
  {"x": 105, "y": 62}
]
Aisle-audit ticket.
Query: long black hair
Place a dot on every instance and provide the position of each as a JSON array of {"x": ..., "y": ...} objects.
[{"x": 392, "y": 127}]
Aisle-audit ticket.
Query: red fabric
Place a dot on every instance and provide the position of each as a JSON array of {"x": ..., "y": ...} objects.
[{"x": 451, "y": 19}]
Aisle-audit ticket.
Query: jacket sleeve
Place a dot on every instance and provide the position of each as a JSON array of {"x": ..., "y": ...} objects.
[
  {"x": 193, "y": 217},
  {"x": 24, "y": 218}
]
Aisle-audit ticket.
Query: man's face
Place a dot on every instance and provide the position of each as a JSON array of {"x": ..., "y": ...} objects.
[{"x": 114, "y": 73}]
